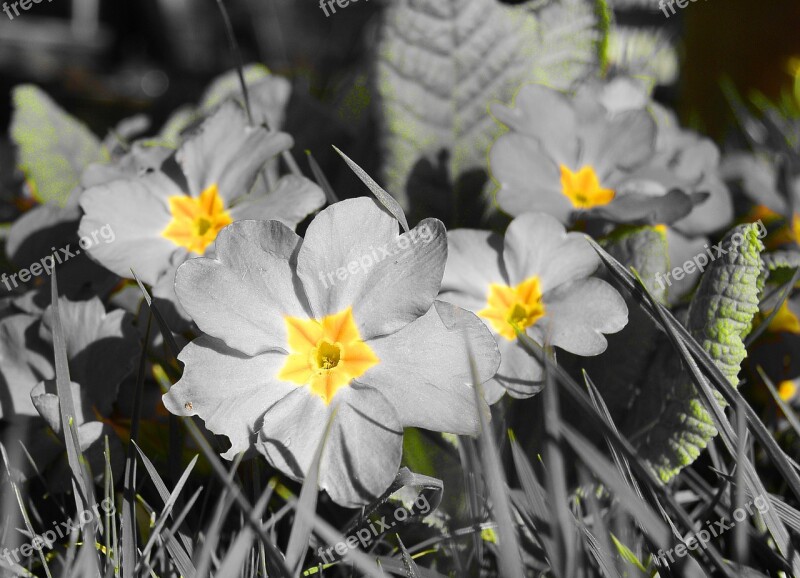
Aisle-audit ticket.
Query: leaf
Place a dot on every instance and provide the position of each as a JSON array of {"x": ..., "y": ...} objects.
[
  {"x": 54, "y": 147},
  {"x": 440, "y": 64},
  {"x": 670, "y": 425}
]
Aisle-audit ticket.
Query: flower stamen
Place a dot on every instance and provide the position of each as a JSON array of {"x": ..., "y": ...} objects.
[
  {"x": 583, "y": 188},
  {"x": 511, "y": 308},
  {"x": 196, "y": 222}
]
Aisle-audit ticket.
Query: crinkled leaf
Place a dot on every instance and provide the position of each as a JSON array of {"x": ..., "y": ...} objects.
[
  {"x": 671, "y": 426},
  {"x": 54, "y": 148},
  {"x": 441, "y": 62}
]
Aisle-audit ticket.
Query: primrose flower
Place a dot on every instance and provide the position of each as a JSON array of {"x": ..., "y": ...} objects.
[
  {"x": 567, "y": 156},
  {"x": 683, "y": 159},
  {"x": 536, "y": 280},
  {"x": 160, "y": 222},
  {"x": 286, "y": 343}
]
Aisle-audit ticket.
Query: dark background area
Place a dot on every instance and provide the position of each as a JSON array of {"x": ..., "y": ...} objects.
[{"x": 152, "y": 56}]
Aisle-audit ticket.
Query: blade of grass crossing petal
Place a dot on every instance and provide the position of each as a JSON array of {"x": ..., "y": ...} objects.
[
  {"x": 237, "y": 55},
  {"x": 321, "y": 179},
  {"x": 306, "y": 506},
  {"x": 387, "y": 200},
  {"x": 65, "y": 401},
  {"x": 166, "y": 332},
  {"x": 510, "y": 560}
]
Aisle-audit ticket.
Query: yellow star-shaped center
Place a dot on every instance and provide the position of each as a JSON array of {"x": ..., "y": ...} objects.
[
  {"x": 583, "y": 188},
  {"x": 326, "y": 354},
  {"x": 196, "y": 221},
  {"x": 508, "y": 308}
]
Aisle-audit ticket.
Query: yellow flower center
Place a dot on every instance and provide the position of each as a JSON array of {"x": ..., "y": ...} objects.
[
  {"x": 196, "y": 221},
  {"x": 583, "y": 188},
  {"x": 326, "y": 354},
  {"x": 786, "y": 390},
  {"x": 796, "y": 228},
  {"x": 784, "y": 320},
  {"x": 508, "y": 308}
]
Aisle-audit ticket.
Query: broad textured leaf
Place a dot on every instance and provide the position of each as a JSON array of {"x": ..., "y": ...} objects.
[
  {"x": 670, "y": 426},
  {"x": 54, "y": 148},
  {"x": 441, "y": 62}
]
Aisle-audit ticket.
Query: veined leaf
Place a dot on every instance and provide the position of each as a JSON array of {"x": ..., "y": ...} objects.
[
  {"x": 671, "y": 426},
  {"x": 54, "y": 147},
  {"x": 441, "y": 62}
]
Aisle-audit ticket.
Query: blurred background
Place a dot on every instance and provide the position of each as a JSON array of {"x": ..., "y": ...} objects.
[{"x": 105, "y": 61}]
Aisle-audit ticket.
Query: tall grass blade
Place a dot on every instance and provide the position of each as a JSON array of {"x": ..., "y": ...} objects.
[
  {"x": 510, "y": 560},
  {"x": 321, "y": 179},
  {"x": 306, "y": 505}
]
